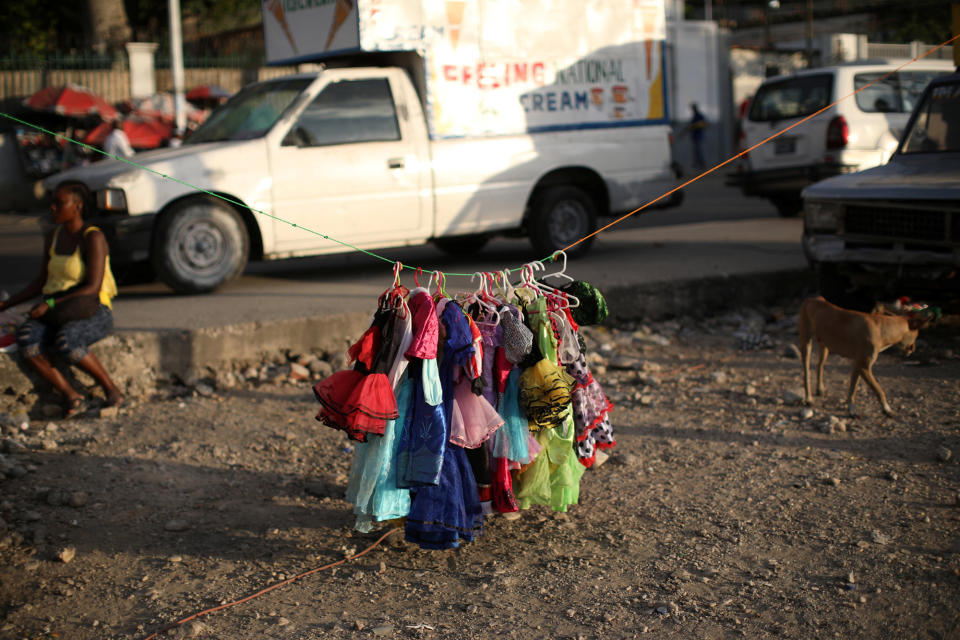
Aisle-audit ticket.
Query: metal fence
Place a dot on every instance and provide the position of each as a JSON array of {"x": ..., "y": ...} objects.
[
  {"x": 908, "y": 51},
  {"x": 109, "y": 77}
]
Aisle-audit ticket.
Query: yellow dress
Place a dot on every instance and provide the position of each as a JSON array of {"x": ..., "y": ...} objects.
[{"x": 553, "y": 478}]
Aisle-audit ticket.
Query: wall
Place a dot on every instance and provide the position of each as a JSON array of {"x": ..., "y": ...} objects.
[{"x": 699, "y": 71}]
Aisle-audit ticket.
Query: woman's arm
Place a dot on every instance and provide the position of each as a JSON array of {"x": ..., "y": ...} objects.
[
  {"x": 95, "y": 262},
  {"x": 35, "y": 287}
]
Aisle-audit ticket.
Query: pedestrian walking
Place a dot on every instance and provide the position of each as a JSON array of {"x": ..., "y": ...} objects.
[
  {"x": 117, "y": 143},
  {"x": 697, "y": 128}
]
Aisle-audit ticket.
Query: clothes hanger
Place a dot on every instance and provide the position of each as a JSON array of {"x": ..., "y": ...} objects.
[
  {"x": 565, "y": 299},
  {"x": 563, "y": 271},
  {"x": 502, "y": 280},
  {"x": 439, "y": 279},
  {"x": 482, "y": 295}
]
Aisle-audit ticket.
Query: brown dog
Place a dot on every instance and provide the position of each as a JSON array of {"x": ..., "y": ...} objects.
[{"x": 851, "y": 334}]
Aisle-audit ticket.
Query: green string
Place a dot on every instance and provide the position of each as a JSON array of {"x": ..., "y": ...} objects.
[{"x": 240, "y": 204}]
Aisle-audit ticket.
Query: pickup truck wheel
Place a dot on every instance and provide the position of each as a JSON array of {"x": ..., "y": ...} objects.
[
  {"x": 788, "y": 206},
  {"x": 199, "y": 244},
  {"x": 559, "y": 217},
  {"x": 462, "y": 245}
]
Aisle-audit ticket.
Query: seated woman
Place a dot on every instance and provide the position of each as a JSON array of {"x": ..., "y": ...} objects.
[{"x": 76, "y": 277}]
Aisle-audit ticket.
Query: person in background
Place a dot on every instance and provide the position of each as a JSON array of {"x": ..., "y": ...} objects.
[
  {"x": 697, "y": 127},
  {"x": 117, "y": 142},
  {"x": 76, "y": 263}
]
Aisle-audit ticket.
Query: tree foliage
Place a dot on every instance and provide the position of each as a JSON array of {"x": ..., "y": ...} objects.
[{"x": 43, "y": 27}]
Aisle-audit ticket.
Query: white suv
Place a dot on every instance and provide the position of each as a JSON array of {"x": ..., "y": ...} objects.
[{"x": 855, "y": 134}]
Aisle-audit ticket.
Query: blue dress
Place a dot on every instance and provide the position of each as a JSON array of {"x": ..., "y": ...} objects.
[
  {"x": 442, "y": 515},
  {"x": 373, "y": 487},
  {"x": 423, "y": 438}
]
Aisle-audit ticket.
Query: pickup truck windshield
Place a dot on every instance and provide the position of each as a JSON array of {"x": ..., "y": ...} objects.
[
  {"x": 251, "y": 113},
  {"x": 936, "y": 128}
]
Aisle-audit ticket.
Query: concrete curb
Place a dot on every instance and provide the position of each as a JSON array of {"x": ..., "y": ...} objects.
[
  {"x": 700, "y": 297},
  {"x": 139, "y": 360}
]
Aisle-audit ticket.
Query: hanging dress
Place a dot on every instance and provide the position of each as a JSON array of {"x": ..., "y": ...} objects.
[
  {"x": 361, "y": 400},
  {"x": 372, "y": 487},
  {"x": 553, "y": 478},
  {"x": 443, "y": 515}
]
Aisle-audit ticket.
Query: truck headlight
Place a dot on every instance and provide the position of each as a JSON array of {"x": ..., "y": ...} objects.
[
  {"x": 112, "y": 200},
  {"x": 821, "y": 216}
]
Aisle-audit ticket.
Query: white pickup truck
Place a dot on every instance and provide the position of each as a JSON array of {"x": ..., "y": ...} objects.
[{"x": 451, "y": 140}]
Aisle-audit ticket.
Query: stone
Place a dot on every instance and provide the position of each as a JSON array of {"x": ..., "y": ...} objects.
[
  {"x": 383, "y": 630},
  {"x": 719, "y": 377},
  {"x": 601, "y": 457},
  {"x": 791, "y": 397},
  {"x": 109, "y": 412},
  {"x": 878, "y": 537},
  {"x": 806, "y": 413},
  {"x": 48, "y": 444},
  {"x": 21, "y": 420},
  {"x": 320, "y": 368},
  {"x": 176, "y": 525},
  {"x": 66, "y": 554},
  {"x": 944, "y": 454},
  {"x": 77, "y": 499},
  {"x": 299, "y": 372},
  {"x": 203, "y": 389}
]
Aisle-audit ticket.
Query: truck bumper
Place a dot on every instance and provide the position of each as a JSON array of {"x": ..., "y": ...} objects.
[
  {"x": 129, "y": 237},
  {"x": 886, "y": 267},
  {"x": 789, "y": 181}
]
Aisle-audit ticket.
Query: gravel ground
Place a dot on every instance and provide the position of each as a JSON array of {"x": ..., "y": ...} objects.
[{"x": 727, "y": 510}]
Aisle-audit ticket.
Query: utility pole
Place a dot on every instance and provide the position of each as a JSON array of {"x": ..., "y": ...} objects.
[
  {"x": 809, "y": 30},
  {"x": 955, "y": 15},
  {"x": 176, "y": 64}
]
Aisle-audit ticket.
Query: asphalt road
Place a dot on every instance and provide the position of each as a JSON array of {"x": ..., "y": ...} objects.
[{"x": 715, "y": 231}]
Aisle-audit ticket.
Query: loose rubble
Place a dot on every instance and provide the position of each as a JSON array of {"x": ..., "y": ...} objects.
[{"x": 728, "y": 508}]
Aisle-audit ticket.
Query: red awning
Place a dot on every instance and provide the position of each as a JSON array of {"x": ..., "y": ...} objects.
[
  {"x": 72, "y": 100},
  {"x": 143, "y": 134}
]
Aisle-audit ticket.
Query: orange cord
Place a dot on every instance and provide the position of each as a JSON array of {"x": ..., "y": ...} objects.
[
  {"x": 272, "y": 587},
  {"x": 764, "y": 141}
]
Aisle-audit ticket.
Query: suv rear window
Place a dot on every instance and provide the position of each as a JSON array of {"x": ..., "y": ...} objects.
[
  {"x": 897, "y": 93},
  {"x": 791, "y": 98}
]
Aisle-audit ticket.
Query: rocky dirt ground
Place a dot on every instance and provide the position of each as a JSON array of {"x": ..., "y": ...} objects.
[{"x": 727, "y": 510}]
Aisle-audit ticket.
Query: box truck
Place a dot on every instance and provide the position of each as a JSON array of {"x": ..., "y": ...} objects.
[{"x": 418, "y": 121}]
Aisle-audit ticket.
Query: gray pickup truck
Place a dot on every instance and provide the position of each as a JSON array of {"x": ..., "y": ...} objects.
[{"x": 895, "y": 229}]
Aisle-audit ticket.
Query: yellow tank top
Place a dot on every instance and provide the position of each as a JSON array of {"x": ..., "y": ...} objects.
[{"x": 64, "y": 272}]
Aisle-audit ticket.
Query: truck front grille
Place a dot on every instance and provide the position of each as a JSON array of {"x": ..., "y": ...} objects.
[{"x": 901, "y": 223}]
